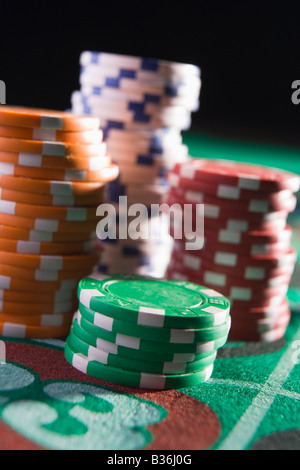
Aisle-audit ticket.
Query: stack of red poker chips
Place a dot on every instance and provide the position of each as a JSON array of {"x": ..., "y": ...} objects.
[{"x": 239, "y": 219}]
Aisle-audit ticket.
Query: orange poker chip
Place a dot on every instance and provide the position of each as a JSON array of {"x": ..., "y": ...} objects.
[
  {"x": 58, "y": 149},
  {"x": 51, "y": 135},
  {"x": 56, "y": 320},
  {"x": 105, "y": 175},
  {"x": 49, "y": 200},
  {"x": 53, "y": 188},
  {"x": 93, "y": 163},
  {"x": 46, "y": 119},
  {"x": 43, "y": 275},
  {"x": 37, "y": 297},
  {"x": 15, "y": 284},
  {"x": 38, "y": 308},
  {"x": 50, "y": 225},
  {"x": 55, "y": 149},
  {"x": 72, "y": 262},
  {"x": 44, "y": 248},
  {"x": 68, "y": 214},
  {"x": 24, "y": 331},
  {"x": 16, "y": 233}
]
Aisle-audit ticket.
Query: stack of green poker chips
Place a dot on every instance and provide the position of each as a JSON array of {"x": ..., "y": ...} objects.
[{"x": 147, "y": 333}]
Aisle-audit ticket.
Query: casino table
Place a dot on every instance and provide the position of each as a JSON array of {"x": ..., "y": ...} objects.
[{"x": 252, "y": 400}]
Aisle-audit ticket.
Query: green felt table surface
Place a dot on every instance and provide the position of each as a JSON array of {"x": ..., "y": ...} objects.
[{"x": 263, "y": 153}]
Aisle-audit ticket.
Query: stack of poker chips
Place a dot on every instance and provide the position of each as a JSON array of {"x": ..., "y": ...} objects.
[
  {"x": 239, "y": 221},
  {"x": 143, "y": 105},
  {"x": 53, "y": 172},
  {"x": 148, "y": 253},
  {"x": 147, "y": 333}
]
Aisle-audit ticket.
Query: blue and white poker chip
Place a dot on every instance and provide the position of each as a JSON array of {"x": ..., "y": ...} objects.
[{"x": 160, "y": 67}]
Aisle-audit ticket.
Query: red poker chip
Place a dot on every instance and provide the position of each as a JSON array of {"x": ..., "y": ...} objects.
[
  {"x": 272, "y": 261},
  {"x": 257, "y": 314},
  {"x": 209, "y": 247},
  {"x": 238, "y": 334},
  {"x": 177, "y": 229},
  {"x": 267, "y": 324},
  {"x": 191, "y": 264},
  {"x": 243, "y": 294},
  {"x": 250, "y": 237},
  {"x": 250, "y": 250},
  {"x": 221, "y": 211},
  {"x": 263, "y": 315},
  {"x": 188, "y": 220},
  {"x": 272, "y": 302},
  {"x": 221, "y": 190},
  {"x": 254, "y": 249},
  {"x": 224, "y": 235},
  {"x": 264, "y": 310},
  {"x": 262, "y": 324},
  {"x": 252, "y": 205},
  {"x": 243, "y": 335},
  {"x": 244, "y": 175},
  {"x": 223, "y": 280},
  {"x": 267, "y": 299}
]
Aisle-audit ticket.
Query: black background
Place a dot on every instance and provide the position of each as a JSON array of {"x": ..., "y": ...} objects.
[{"x": 249, "y": 54}]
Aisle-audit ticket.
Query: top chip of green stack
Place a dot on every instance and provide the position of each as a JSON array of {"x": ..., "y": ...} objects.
[{"x": 153, "y": 302}]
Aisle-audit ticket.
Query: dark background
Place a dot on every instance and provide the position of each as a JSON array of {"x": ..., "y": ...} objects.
[{"x": 248, "y": 52}]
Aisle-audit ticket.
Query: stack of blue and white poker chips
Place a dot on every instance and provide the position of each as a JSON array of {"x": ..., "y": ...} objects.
[
  {"x": 146, "y": 253},
  {"x": 143, "y": 105}
]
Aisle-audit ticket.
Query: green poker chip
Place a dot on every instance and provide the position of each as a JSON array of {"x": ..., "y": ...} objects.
[
  {"x": 167, "y": 368},
  {"x": 107, "y": 346},
  {"x": 155, "y": 303},
  {"x": 147, "y": 333},
  {"x": 134, "y": 342},
  {"x": 131, "y": 378},
  {"x": 166, "y": 335}
]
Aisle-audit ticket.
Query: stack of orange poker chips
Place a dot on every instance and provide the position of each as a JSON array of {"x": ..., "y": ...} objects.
[{"x": 54, "y": 169}]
